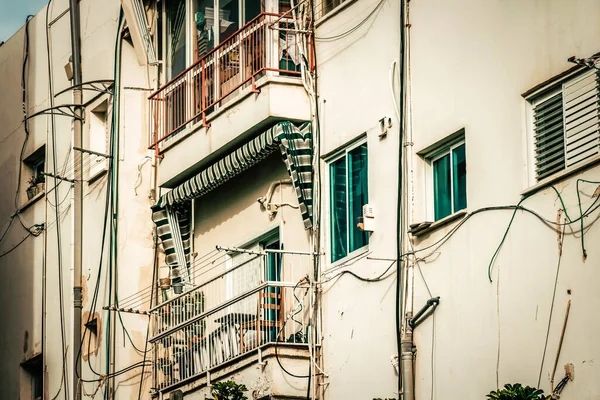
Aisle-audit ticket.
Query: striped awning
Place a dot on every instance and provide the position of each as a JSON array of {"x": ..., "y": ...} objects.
[{"x": 295, "y": 145}]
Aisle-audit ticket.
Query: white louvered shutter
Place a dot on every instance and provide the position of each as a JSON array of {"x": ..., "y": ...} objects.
[
  {"x": 549, "y": 137},
  {"x": 581, "y": 118}
]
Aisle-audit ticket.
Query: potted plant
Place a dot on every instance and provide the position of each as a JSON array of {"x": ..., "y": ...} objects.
[
  {"x": 35, "y": 185},
  {"x": 228, "y": 390},
  {"x": 518, "y": 392}
]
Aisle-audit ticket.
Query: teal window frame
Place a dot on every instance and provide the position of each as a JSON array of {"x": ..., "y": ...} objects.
[
  {"x": 344, "y": 210},
  {"x": 454, "y": 190}
]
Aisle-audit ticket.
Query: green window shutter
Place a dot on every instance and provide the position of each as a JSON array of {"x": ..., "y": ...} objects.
[
  {"x": 358, "y": 196},
  {"x": 338, "y": 206},
  {"x": 459, "y": 178},
  {"x": 442, "y": 187}
]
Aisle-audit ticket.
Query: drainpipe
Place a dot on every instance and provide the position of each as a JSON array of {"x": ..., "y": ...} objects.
[
  {"x": 78, "y": 192},
  {"x": 404, "y": 341},
  {"x": 407, "y": 358}
]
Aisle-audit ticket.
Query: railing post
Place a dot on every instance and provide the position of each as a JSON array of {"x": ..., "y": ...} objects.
[{"x": 203, "y": 92}]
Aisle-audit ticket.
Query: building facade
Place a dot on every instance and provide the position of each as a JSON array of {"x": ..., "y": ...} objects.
[{"x": 327, "y": 200}]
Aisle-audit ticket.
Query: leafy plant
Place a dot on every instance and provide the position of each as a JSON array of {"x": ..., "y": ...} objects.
[
  {"x": 229, "y": 390},
  {"x": 518, "y": 392},
  {"x": 35, "y": 179}
]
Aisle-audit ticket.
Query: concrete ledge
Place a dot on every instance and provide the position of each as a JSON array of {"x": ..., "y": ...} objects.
[
  {"x": 185, "y": 154},
  {"x": 258, "y": 367}
]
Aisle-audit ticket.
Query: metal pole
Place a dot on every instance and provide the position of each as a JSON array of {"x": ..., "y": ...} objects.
[{"x": 78, "y": 192}]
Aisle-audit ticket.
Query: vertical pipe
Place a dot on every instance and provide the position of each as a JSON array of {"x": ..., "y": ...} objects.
[
  {"x": 407, "y": 362},
  {"x": 404, "y": 342},
  {"x": 78, "y": 191}
]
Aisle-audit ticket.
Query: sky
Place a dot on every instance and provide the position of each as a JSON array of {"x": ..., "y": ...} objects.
[{"x": 13, "y": 14}]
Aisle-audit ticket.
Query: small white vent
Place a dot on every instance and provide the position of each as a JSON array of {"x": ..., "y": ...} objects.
[{"x": 567, "y": 125}]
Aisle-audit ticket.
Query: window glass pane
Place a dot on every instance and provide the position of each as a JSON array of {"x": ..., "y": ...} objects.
[
  {"x": 176, "y": 40},
  {"x": 229, "y": 16},
  {"x": 338, "y": 223},
  {"x": 441, "y": 187},
  {"x": 251, "y": 9},
  {"x": 359, "y": 188},
  {"x": 459, "y": 176},
  {"x": 203, "y": 18}
]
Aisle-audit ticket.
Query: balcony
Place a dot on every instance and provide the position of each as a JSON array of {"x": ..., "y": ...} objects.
[
  {"x": 241, "y": 310},
  {"x": 248, "y": 82}
]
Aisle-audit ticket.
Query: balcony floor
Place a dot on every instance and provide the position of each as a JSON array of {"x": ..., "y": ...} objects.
[
  {"x": 267, "y": 380},
  {"x": 280, "y": 98}
]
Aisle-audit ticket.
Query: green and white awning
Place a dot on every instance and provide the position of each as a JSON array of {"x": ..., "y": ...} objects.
[{"x": 295, "y": 145}]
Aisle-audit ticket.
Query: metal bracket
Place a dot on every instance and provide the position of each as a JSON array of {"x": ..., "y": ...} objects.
[
  {"x": 62, "y": 178},
  {"x": 91, "y": 152},
  {"x": 101, "y": 86},
  {"x": 65, "y": 110}
]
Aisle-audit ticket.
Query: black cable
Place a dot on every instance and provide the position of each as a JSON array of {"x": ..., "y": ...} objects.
[
  {"x": 15, "y": 246},
  {"x": 316, "y": 232},
  {"x": 378, "y": 278},
  {"x": 354, "y": 28},
  {"x": 562, "y": 237},
  {"x": 277, "y": 354},
  {"x": 545, "y": 221},
  {"x": 56, "y": 212},
  {"x": 398, "y": 301}
]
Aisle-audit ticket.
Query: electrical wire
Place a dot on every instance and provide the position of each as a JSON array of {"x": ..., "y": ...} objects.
[
  {"x": 65, "y": 374},
  {"x": 378, "y": 278},
  {"x": 564, "y": 208},
  {"x": 277, "y": 341},
  {"x": 16, "y": 246},
  {"x": 562, "y": 237},
  {"x": 399, "y": 195},
  {"x": 353, "y": 29},
  {"x": 469, "y": 215}
]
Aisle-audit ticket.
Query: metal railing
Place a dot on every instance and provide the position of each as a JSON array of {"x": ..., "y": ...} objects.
[
  {"x": 266, "y": 43},
  {"x": 242, "y": 305}
]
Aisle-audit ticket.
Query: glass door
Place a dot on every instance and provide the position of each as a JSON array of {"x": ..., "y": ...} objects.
[{"x": 175, "y": 12}]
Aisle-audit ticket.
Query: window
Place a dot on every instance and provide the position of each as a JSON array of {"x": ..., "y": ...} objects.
[
  {"x": 329, "y": 5},
  {"x": 348, "y": 193},
  {"x": 34, "y": 172},
  {"x": 32, "y": 378},
  {"x": 565, "y": 125},
  {"x": 449, "y": 168},
  {"x": 192, "y": 29},
  {"x": 97, "y": 140}
]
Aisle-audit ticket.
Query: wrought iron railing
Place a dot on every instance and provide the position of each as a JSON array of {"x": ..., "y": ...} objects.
[
  {"x": 237, "y": 310},
  {"x": 266, "y": 43}
]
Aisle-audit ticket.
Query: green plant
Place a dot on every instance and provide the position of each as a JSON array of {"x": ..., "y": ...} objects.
[
  {"x": 517, "y": 392},
  {"x": 229, "y": 390},
  {"x": 35, "y": 179}
]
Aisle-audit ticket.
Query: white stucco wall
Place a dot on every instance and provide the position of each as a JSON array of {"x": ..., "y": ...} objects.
[
  {"x": 470, "y": 62},
  {"x": 22, "y": 269},
  {"x": 355, "y": 92}
]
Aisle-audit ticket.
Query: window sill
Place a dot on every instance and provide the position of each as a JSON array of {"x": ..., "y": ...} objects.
[
  {"x": 426, "y": 227},
  {"x": 559, "y": 176},
  {"x": 349, "y": 259},
  {"x": 31, "y": 201}
]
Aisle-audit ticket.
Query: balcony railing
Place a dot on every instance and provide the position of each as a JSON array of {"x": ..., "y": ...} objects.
[
  {"x": 267, "y": 43},
  {"x": 233, "y": 313}
]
